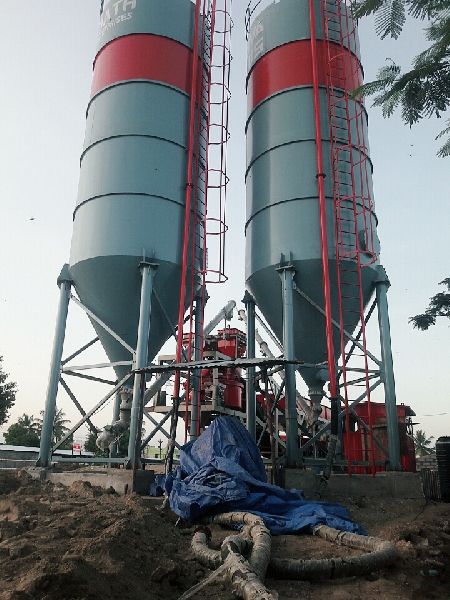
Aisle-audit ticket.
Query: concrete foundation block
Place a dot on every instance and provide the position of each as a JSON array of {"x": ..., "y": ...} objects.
[
  {"x": 390, "y": 484},
  {"x": 123, "y": 481}
]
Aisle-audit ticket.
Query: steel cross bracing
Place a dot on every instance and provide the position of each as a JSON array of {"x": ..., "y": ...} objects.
[{"x": 353, "y": 203}]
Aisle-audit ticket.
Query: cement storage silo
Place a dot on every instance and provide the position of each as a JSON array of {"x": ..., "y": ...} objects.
[
  {"x": 131, "y": 198},
  {"x": 139, "y": 248},
  {"x": 283, "y": 220}
]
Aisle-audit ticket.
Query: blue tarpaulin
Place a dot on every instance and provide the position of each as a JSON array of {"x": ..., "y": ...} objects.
[{"x": 222, "y": 471}]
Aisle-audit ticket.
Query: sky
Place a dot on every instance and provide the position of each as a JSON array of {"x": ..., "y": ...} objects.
[{"x": 46, "y": 54}]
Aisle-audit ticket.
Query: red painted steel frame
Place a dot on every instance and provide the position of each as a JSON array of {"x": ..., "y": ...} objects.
[{"x": 322, "y": 207}]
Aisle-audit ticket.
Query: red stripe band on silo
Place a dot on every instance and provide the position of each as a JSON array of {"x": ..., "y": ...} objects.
[
  {"x": 290, "y": 66},
  {"x": 142, "y": 56}
]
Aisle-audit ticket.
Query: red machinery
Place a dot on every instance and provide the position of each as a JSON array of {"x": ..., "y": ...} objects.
[
  {"x": 357, "y": 442},
  {"x": 222, "y": 388},
  {"x": 227, "y": 385}
]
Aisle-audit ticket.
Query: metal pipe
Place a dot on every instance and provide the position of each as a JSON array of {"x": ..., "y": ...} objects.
[
  {"x": 65, "y": 285},
  {"x": 109, "y": 435},
  {"x": 269, "y": 332},
  {"x": 287, "y": 279},
  {"x": 148, "y": 274},
  {"x": 114, "y": 450},
  {"x": 322, "y": 206},
  {"x": 188, "y": 194},
  {"x": 196, "y": 375},
  {"x": 342, "y": 414},
  {"x": 225, "y": 313},
  {"x": 250, "y": 374},
  {"x": 382, "y": 286}
]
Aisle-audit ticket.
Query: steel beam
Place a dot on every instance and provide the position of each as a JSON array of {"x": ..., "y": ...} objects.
[
  {"x": 287, "y": 282},
  {"x": 348, "y": 335},
  {"x": 152, "y": 434},
  {"x": 107, "y": 365},
  {"x": 148, "y": 273},
  {"x": 88, "y": 377},
  {"x": 102, "y": 324},
  {"x": 65, "y": 284},
  {"x": 72, "y": 396},
  {"x": 158, "y": 426},
  {"x": 382, "y": 285},
  {"x": 80, "y": 351},
  {"x": 93, "y": 410}
]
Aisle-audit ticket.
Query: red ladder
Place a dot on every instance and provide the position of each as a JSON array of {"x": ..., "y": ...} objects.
[{"x": 353, "y": 204}]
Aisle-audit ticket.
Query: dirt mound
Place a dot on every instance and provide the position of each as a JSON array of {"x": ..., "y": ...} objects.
[
  {"x": 81, "y": 543},
  {"x": 10, "y": 481}
]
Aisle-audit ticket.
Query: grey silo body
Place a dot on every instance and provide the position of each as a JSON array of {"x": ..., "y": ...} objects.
[
  {"x": 132, "y": 184},
  {"x": 282, "y": 222}
]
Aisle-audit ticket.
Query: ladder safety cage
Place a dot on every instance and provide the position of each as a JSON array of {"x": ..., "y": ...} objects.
[
  {"x": 352, "y": 197},
  {"x": 206, "y": 184}
]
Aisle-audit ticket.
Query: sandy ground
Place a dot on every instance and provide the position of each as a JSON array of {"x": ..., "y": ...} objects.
[{"x": 81, "y": 543}]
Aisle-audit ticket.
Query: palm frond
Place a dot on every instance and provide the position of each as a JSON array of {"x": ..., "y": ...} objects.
[
  {"x": 390, "y": 18},
  {"x": 365, "y": 8},
  {"x": 422, "y": 322},
  {"x": 426, "y": 9}
]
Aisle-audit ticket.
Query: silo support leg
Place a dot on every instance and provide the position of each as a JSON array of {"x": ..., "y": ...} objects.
[
  {"x": 65, "y": 285},
  {"x": 382, "y": 286},
  {"x": 148, "y": 273},
  {"x": 250, "y": 375},
  {"x": 287, "y": 280}
]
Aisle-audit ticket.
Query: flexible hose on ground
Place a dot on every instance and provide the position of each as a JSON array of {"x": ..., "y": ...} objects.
[
  {"x": 245, "y": 583},
  {"x": 246, "y": 577},
  {"x": 259, "y": 534},
  {"x": 380, "y": 554},
  {"x": 209, "y": 558}
]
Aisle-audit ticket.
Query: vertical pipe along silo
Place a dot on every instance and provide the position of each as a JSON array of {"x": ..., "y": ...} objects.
[{"x": 283, "y": 217}]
